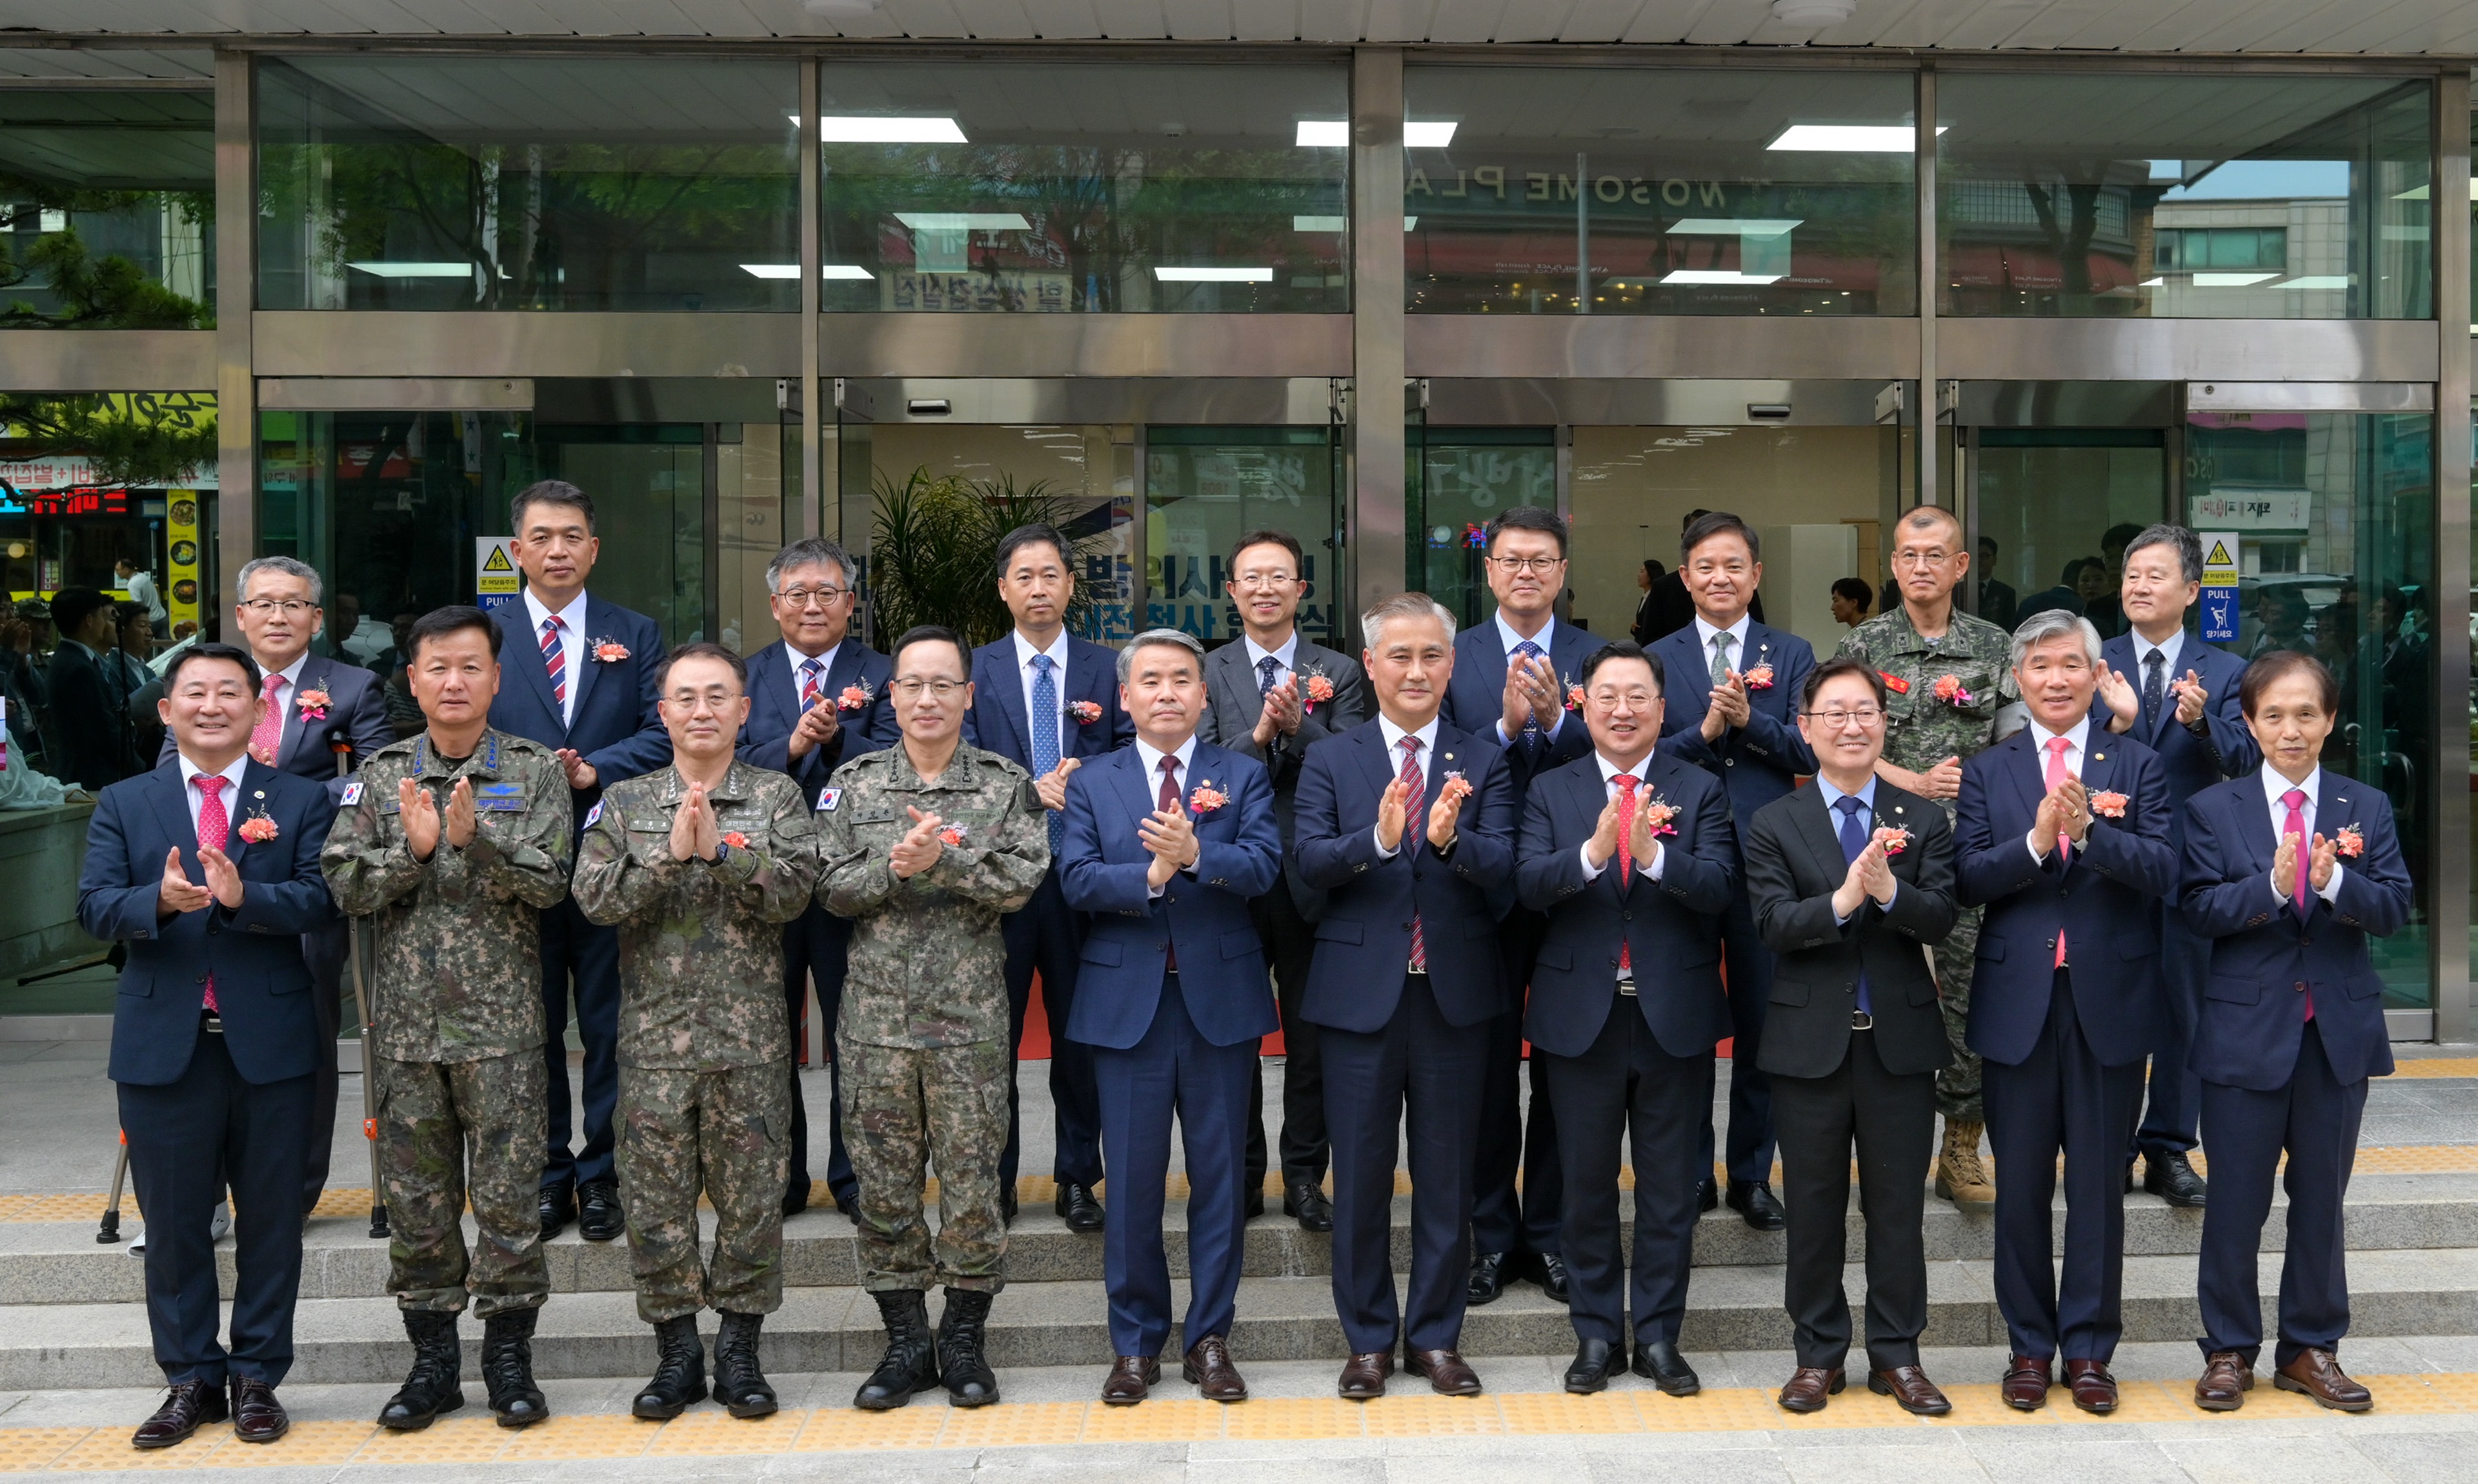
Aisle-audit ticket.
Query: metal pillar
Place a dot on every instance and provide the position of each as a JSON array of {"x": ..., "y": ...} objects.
[
  {"x": 814, "y": 520},
  {"x": 2449, "y": 929},
  {"x": 1377, "y": 528},
  {"x": 236, "y": 297},
  {"x": 1931, "y": 440}
]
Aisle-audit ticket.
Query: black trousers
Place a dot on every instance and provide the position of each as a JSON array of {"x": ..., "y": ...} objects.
[
  {"x": 1048, "y": 936},
  {"x": 1628, "y": 1086},
  {"x": 2173, "y": 1112},
  {"x": 325, "y": 950},
  {"x": 1290, "y": 943},
  {"x": 186, "y": 1139},
  {"x": 1891, "y": 1121},
  {"x": 1748, "y": 1151},
  {"x": 816, "y": 943},
  {"x": 579, "y": 956},
  {"x": 1507, "y": 1218},
  {"x": 1414, "y": 1076}
]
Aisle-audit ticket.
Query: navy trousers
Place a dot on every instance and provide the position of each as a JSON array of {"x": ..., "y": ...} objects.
[
  {"x": 1507, "y": 1217},
  {"x": 2315, "y": 1119},
  {"x": 1421, "y": 1062},
  {"x": 2062, "y": 1097},
  {"x": 1290, "y": 943},
  {"x": 1750, "y": 1145},
  {"x": 2171, "y": 1121},
  {"x": 818, "y": 943},
  {"x": 1626, "y": 1087},
  {"x": 1049, "y": 935},
  {"x": 187, "y": 1140},
  {"x": 325, "y": 952},
  {"x": 580, "y": 957},
  {"x": 1173, "y": 1070}
]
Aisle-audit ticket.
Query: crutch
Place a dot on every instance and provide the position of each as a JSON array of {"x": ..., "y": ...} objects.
[
  {"x": 107, "y": 1231},
  {"x": 343, "y": 747}
]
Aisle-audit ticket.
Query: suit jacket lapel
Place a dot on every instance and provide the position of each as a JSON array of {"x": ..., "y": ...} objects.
[
  {"x": 174, "y": 807},
  {"x": 597, "y": 627},
  {"x": 2334, "y": 810},
  {"x": 1817, "y": 823},
  {"x": 2253, "y": 822},
  {"x": 1137, "y": 787},
  {"x": 1377, "y": 759},
  {"x": 527, "y": 661}
]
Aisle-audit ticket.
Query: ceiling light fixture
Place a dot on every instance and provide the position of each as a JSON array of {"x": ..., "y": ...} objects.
[
  {"x": 1850, "y": 139},
  {"x": 792, "y": 271},
  {"x": 878, "y": 128},
  {"x": 413, "y": 270},
  {"x": 1813, "y": 15},
  {"x": 1719, "y": 276},
  {"x": 963, "y": 221},
  {"x": 1735, "y": 226},
  {"x": 1214, "y": 275},
  {"x": 1335, "y": 132}
]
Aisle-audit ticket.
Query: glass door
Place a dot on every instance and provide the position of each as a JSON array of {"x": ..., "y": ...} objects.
[
  {"x": 1462, "y": 478},
  {"x": 2055, "y": 510},
  {"x": 1205, "y": 488}
]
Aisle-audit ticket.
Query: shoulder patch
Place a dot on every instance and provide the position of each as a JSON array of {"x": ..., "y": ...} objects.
[
  {"x": 353, "y": 796},
  {"x": 592, "y": 815},
  {"x": 828, "y": 797}
]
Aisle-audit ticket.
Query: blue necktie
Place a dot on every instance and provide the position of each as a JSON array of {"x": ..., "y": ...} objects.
[
  {"x": 1854, "y": 843},
  {"x": 1266, "y": 669},
  {"x": 1530, "y": 723},
  {"x": 1043, "y": 722}
]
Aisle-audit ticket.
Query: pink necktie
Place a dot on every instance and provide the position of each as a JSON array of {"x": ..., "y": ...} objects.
[
  {"x": 2056, "y": 774},
  {"x": 1167, "y": 803},
  {"x": 214, "y": 828},
  {"x": 2295, "y": 825},
  {"x": 1625, "y": 783},
  {"x": 1417, "y": 783},
  {"x": 268, "y": 734}
]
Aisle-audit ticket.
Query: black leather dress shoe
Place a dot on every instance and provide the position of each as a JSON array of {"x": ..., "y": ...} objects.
[
  {"x": 599, "y": 1217},
  {"x": 1488, "y": 1275},
  {"x": 557, "y": 1209},
  {"x": 1309, "y": 1204},
  {"x": 1078, "y": 1208},
  {"x": 1252, "y": 1204},
  {"x": 1753, "y": 1199},
  {"x": 1549, "y": 1271},
  {"x": 1707, "y": 1196},
  {"x": 1595, "y": 1362},
  {"x": 189, "y": 1404},
  {"x": 257, "y": 1416},
  {"x": 796, "y": 1197},
  {"x": 1658, "y": 1362},
  {"x": 1007, "y": 1206},
  {"x": 2171, "y": 1177}
]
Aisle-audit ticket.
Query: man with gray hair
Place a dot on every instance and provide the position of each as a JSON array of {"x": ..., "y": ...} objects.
[{"x": 816, "y": 699}]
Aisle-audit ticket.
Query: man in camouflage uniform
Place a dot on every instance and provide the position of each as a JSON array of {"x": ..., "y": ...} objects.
[
  {"x": 449, "y": 844},
  {"x": 1947, "y": 675},
  {"x": 925, "y": 845},
  {"x": 700, "y": 866}
]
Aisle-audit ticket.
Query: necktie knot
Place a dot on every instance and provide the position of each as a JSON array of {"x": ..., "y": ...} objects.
[
  {"x": 210, "y": 785},
  {"x": 1527, "y": 649},
  {"x": 1042, "y": 664},
  {"x": 274, "y": 682},
  {"x": 1267, "y": 669},
  {"x": 2294, "y": 798},
  {"x": 1411, "y": 746},
  {"x": 1625, "y": 783},
  {"x": 810, "y": 667},
  {"x": 2155, "y": 659},
  {"x": 2057, "y": 745},
  {"x": 1849, "y": 805},
  {"x": 554, "y": 624}
]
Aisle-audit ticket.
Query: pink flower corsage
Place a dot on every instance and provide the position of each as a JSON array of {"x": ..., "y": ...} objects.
[
  {"x": 610, "y": 651},
  {"x": 1320, "y": 689},
  {"x": 951, "y": 835},
  {"x": 1656, "y": 816},
  {"x": 1574, "y": 697},
  {"x": 1760, "y": 678},
  {"x": 735, "y": 840},
  {"x": 1949, "y": 690},
  {"x": 2348, "y": 842},
  {"x": 854, "y": 697},
  {"x": 257, "y": 829},
  {"x": 1085, "y": 713},
  {"x": 2109, "y": 804},
  {"x": 1206, "y": 798},
  {"x": 312, "y": 705},
  {"x": 1893, "y": 838}
]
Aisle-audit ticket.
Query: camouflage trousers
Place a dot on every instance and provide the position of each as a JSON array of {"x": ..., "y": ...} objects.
[
  {"x": 435, "y": 1118},
  {"x": 1957, "y": 1085},
  {"x": 723, "y": 1133},
  {"x": 905, "y": 1110}
]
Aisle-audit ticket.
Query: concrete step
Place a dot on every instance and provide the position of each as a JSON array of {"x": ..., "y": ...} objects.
[
  {"x": 60, "y": 1263},
  {"x": 49, "y": 1346}
]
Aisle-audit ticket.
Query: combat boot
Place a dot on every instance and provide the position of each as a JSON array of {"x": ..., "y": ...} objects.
[
  {"x": 508, "y": 1367},
  {"x": 738, "y": 1382},
  {"x": 430, "y": 1386},
  {"x": 679, "y": 1375},
  {"x": 1960, "y": 1176},
  {"x": 911, "y": 1361},
  {"x": 969, "y": 1381}
]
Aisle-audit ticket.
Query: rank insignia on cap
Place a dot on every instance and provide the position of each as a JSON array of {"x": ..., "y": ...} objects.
[
  {"x": 352, "y": 795},
  {"x": 828, "y": 798},
  {"x": 592, "y": 815}
]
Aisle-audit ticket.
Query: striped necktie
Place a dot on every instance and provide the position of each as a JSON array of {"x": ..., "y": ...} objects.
[{"x": 555, "y": 660}]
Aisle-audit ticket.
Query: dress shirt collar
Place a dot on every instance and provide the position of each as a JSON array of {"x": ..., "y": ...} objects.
[
  {"x": 2170, "y": 649},
  {"x": 1832, "y": 796},
  {"x": 291, "y": 674},
  {"x": 573, "y": 615},
  {"x": 231, "y": 775},
  {"x": 1737, "y": 633},
  {"x": 1286, "y": 657},
  {"x": 1609, "y": 770},
  {"x": 1025, "y": 651},
  {"x": 2077, "y": 739},
  {"x": 1508, "y": 639},
  {"x": 1152, "y": 758},
  {"x": 1394, "y": 736},
  {"x": 825, "y": 657},
  {"x": 2274, "y": 786}
]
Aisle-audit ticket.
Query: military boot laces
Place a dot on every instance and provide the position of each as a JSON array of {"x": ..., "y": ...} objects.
[
  {"x": 508, "y": 1367},
  {"x": 911, "y": 1360},
  {"x": 738, "y": 1382},
  {"x": 679, "y": 1375},
  {"x": 430, "y": 1386},
  {"x": 969, "y": 1381}
]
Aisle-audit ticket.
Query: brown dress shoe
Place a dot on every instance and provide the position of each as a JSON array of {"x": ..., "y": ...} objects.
[
  {"x": 2094, "y": 1389},
  {"x": 1448, "y": 1373},
  {"x": 1363, "y": 1377},
  {"x": 2026, "y": 1383},
  {"x": 1131, "y": 1379},
  {"x": 2317, "y": 1373},
  {"x": 1207, "y": 1367},
  {"x": 2227, "y": 1376},
  {"x": 1809, "y": 1386},
  {"x": 189, "y": 1404},
  {"x": 257, "y": 1416},
  {"x": 1910, "y": 1389}
]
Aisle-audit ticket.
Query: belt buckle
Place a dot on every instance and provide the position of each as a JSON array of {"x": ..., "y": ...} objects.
[
  {"x": 211, "y": 1023},
  {"x": 1626, "y": 986},
  {"x": 1863, "y": 1020}
]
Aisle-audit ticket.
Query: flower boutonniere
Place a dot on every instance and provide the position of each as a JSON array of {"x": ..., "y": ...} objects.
[
  {"x": 1760, "y": 678},
  {"x": 257, "y": 829},
  {"x": 1949, "y": 689},
  {"x": 2108, "y": 804},
  {"x": 1316, "y": 688},
  {"x": 854, "y": 697},
  {"x": 951, "y": 835},
  {"x": 1657, "y": 816},
  {"x": 1206, "y": 798},
  {"x": 735, "y": 840},
  {"x": 2349, "y": 840},
  {"x": 1085, "y": 713},
  {"x": 1892, "y": 837},
  {"x": 1574, "y": 694},
  {"x": 312, "y": 705},
  {"x": 609, "y": 651}
]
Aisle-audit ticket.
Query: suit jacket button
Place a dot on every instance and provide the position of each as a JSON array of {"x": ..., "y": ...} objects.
[
  {"x": 2301, "y": 986},
  {"x": 1407, "y": 928},
  {"x": 203, "y": 979},
  {"x": 1729, "y": 761}
]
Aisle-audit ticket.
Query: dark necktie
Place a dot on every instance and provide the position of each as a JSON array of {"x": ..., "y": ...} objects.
[
  {"x": 1168, "y": 802},
  {"x": 1266, "y": 669},
  {"x": 2155, "y": 686},
  {"x": 1854, "y": 843},
  {"x": 1530, "y": 723}
]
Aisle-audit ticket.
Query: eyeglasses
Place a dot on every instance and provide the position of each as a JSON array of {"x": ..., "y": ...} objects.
[
  {"x": 911, "y": 687},
  {"x": 1905, "y": 557},
  {"x": 290, "y": 608},
  {"x": 802, "y": 597},
  {"x": 1544, "y": 566},
  {"x": 1261, "y": 579},
  {"x": 1838, "y": 719}
]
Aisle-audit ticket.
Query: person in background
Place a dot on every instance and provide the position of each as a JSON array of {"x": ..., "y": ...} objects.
[
  {"x": 2103, "y": 610},
  {"x": 2096, "y": 585},
  {"x": 184, "y": 635},
  {"x": 1998, "y": 603},
  {"x": 1851, "y": 598},
  {"x": 140, "y": 686},
  {"x": 139, "y": 584},
  {"x": 403, "y": 710},
  {"x": 2280, "y": 613},
  {"x": 1641, "y": 627},
  {"x": 1666, "y": 608},
  {"x": 91, "y": 732}
]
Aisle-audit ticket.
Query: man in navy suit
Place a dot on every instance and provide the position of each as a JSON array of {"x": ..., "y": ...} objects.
[
  {"x": 206, "y": 872},
  {"x": 1048, "y": 701},
  {"x": 2061, "y": 833},
  {"x": 87, "y": 704},
  {"x": 578, "y": 675},
  {"x": 2289, "y": 871},
  {"x": 815, "y": 700},
  {"x": 1407, "y": 826},
  {"x": 1510, "y": 684},
  {"x": 2178, "y": 696},
  {"x": 319, "y": 712},
  {"x": 1626, "y": 1005},
  {"x": 1732, "y": 711},
  {"x": 1165, "y": 843}
]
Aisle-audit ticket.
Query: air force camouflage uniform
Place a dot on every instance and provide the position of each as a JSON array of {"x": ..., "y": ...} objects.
[
  {"x": 705, "y": 1049},
  {"x": 1921, "y": 731},
  {"x": 923, "y": 1041},
  {"x": 457, "y": 1015}
]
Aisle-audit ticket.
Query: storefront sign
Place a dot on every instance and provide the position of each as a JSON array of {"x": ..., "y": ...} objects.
[
  {"x": 497, "y": 583},
  {"x": 2221, "y": 552},
  {"x": 181, "y": 556},
  {"x": 2251, "y": 510}
]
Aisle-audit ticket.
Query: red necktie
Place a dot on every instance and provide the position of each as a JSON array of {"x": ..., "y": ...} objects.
[
  {"x": 266, "y": 737},
  {"x": 1169, "y": 804},
  {"x": 214, "y": 828},
  {"x": 2295, "y": 825},
  {"x": 1625, "y": 783},
  {"x": 2056, "y": 774},
  {"x": 1417, "y": 783}
]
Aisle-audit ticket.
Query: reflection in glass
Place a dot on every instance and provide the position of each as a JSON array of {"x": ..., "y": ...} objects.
[
  {"x": 994, "y": 186},
  {"x": 396, "y": 183},
  {"x": 2184, "y": 196},
  {"x": 1626, "y": 191},
  {"x": 2057, "y": 508},
  {"x": 1461, "y": 478},
  {"x": 1205, "y": 488},
  {"x": 106, "y": 211}
]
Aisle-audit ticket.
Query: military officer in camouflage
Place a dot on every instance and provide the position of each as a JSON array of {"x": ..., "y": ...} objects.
[
  {"x": 450, "y": 844},
  {"x": 925, "y": 845},
  {"x": 700, "y": 864},
  {"x": 1946, "y": 676}
]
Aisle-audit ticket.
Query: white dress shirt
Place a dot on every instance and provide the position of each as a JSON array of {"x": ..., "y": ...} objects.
[
  {"x": 2169, "y": 649},
  {"x": 1649, "y": 869},
  {"x": 825, "y": 667},
  {"x": 195, "y": 797},
  {"x": 1832, "y": 797},
  {"x": 1057, "y": 652},
  {"x": 1507, "y": 637},
  {"x": 1282, "y": 658},
  {"x": 1152, "y": 758},
  {"x": 1737, "y": 633},
  {"x": 1394, "y": 735},
  {"x": 2273, "y": 787},
  {"x": 2075, "y": 736},
  {"x": 572, "y": 644}
]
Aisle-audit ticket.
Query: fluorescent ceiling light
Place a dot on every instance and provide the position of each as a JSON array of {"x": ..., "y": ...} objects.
[
  {"x": 792, "y": 271},
  {"x": 1428, "y": 133},
  {"x": 2231, "y": 280},
  {"x": 1214, "y": 275},
  {"x": 2155, "y": 283},
  {"x": 1337, "y": 224},
  {"x": 413, "y": 270},
  {"x": 1335, "y": 132},
  {"x": 1851, "y": 138},
  {"x": 1742, "y": 226},
  {"x": 2318, "y": 281},
  {"x": 1719, "y": 276},
  {"x": 963, "y": 221},
  {"x": 866, "y": 129}
]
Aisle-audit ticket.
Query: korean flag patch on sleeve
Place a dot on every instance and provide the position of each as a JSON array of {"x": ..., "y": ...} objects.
[
  {"x": 353, "y": 796},
  {"x": 827, "y": 798},
  {"x": 592, "y": 815}
]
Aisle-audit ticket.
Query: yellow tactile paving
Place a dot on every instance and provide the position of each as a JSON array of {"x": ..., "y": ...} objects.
[
  {"x": 835, "y": 1430},
  {"x": 24, "y": 1450},
  {"x": 1549, "y": 1413},
  {"x": 602, "y": 1435},
  {"x": 703, "y": 1432},
  {"x": 1293, "y": 1419},
  {"x": 2436, "y": 1066},
  {"x": 1164, "y": 1419},
  {"x": 1432, "y": 1416},
  {"x": 1042, "y": 1423}
]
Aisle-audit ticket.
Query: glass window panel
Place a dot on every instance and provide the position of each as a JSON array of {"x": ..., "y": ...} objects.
[
  {"x": 396, "y": 183},
  {"x": 1205, "y": 488},
  {"x": 1002, "y": 187},
  {"x": 106, "y": 211},
  {"x": 1464, "y": 478},
  {"x": 2184, "y": 196},
  {"x": 1629, "y": 191}
]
